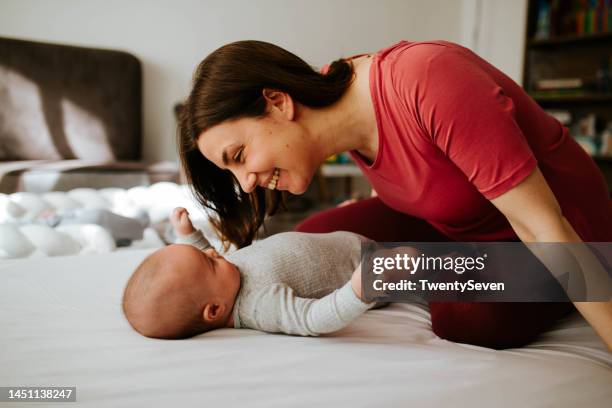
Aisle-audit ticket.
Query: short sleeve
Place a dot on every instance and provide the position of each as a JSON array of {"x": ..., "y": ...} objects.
[{"x": 471, "y": 119}]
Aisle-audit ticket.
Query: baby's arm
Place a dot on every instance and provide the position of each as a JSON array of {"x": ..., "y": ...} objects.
[
  {"x": 196, "y": 238},
  {"x": 185, "y": 231},
  {"x": 279, "y": 309}
]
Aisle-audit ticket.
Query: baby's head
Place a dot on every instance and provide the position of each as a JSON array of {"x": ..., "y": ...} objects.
[{"x": 179, "y": 291}]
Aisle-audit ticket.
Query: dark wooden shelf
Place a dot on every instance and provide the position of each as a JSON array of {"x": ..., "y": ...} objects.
[
  {"x": 571, "y": 97},
  {"x": 569, "y": 39},
  {"x": 569, "y": 56},
  {"x": 600, "y": 159}
]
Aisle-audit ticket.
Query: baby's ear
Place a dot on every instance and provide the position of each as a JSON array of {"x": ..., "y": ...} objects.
[{"x": 213, "y": 312}]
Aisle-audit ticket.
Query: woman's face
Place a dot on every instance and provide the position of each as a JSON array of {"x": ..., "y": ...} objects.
[{"x": 272, "y": 151}]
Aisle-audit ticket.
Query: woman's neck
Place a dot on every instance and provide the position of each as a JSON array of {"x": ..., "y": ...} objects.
[{"x": 350, "y": 123}]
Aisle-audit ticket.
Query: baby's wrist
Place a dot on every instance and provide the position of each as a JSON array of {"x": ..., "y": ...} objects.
[
  {"x": 356, "y": 283},
  {"x": 182, "y": 235},
  {"x": 184, "y": 231}
]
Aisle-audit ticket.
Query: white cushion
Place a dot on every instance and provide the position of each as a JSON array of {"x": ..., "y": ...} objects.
[
  {"x": 10, "y": 210},
  {"x": 32, "y": 203},
  {"x": 61, "y": 201},
  {"x": 90, "y": 198},
  {"x": 13, "y": 243},
  {"x": 91, "y": 237},
  {"x": 141, "y": 196},
  {"x": 50, "y": 241}
]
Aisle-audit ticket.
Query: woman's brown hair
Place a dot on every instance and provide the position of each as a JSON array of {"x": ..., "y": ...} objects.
[{"x": 228, "y": 85}]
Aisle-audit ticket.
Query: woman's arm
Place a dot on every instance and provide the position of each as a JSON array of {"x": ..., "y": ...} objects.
[{"x": 535, "y": 215}]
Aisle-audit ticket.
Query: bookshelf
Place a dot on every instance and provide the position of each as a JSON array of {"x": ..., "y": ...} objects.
[{"x": 568, "y": 69}]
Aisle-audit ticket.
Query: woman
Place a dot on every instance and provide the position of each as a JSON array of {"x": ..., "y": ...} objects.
[{"x": 455, "y": 149}]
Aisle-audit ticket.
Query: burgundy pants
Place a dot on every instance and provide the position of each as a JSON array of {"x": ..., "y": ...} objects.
[{"x": 494, "y": 325}]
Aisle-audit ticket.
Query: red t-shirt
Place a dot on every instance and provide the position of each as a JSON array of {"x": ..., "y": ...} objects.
[{"x": 455, "y": 132}]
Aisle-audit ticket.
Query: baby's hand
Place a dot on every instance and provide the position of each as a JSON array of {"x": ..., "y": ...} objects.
[{"x": 180, "y": 222}]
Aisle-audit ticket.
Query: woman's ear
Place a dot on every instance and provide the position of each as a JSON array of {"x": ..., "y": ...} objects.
[
  {"x": 279, "y": 100},
  {"x": 213, "y": 312}
]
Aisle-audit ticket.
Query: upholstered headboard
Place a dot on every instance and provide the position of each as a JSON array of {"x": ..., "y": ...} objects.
[{"x": 64, "y": 102}]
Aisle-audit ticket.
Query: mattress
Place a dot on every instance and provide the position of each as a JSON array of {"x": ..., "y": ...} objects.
[{"x": 62, "y": 325}]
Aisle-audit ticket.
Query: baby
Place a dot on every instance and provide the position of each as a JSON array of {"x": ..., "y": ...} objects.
[{"x": 294, "y": 283}]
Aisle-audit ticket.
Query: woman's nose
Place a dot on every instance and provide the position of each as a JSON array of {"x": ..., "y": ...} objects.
[{"x": 248, "y": 182}]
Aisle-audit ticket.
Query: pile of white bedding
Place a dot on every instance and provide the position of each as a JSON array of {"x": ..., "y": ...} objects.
[{"x": 22, "y": 234}]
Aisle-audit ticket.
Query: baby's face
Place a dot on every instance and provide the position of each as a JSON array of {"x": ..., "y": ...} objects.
[
  {"x": 205, "y": 272},
  {"x": 181, "y": 291}
]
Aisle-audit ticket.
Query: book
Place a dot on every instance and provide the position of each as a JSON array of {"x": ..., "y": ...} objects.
[
  {"x": 559, "y": 83},
  {"x": 565, "y": 117}
]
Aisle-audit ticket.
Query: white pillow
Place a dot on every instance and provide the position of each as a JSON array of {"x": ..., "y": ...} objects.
[
  {"x": 10, "y": 210},
  {"x": 61, "y": 200},
  {"x": 32, "y": 203},
  {"x": 49, "y": 241},
  {"x": 89, "y": 198},
  {"x": 163, "y": 197},
  {"x": 118, "y": 199},
  {"x": 141, "y": 196},
  {"x": 111, "y": 193},
  {"x": 13, "y": 243},
  {"x": 92, "y": 237},
  {"x": 150, "y": 239}
]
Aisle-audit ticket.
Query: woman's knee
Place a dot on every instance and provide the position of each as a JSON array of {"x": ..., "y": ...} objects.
[
  {"x": 355, "y": 217},
  {"x": 317, "y": 223},
  {"x": 494, "y": 325},
  {"x": 372, "y": 219}
]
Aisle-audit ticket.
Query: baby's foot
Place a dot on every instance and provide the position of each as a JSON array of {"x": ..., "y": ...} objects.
[{"x": 180, "y": 222}]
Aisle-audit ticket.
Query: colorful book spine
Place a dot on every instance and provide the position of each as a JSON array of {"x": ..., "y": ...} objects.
[
  {"x": 598, "y": 16},
  {"x": 543, "y": 21},
  {"x": 608, "y": 16},
  {"x": 589, "y": 18},
  {"x": 581, "y": 17}
]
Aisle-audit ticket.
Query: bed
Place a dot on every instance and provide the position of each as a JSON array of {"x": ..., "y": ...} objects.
[{"x": 62, "y": 326}]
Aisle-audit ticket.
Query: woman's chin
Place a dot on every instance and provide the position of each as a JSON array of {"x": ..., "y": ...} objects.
[
  {"x": 293, "y": 185},
  {"x": 299, "y": 187},
  {"x": 297, "y": 191}
]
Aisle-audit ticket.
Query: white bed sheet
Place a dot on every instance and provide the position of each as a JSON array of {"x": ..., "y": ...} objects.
[{"x": 62, "y": 326}]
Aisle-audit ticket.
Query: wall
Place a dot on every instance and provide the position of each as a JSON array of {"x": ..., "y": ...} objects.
[
  {"x": 495, "y": 30},
  {"x": 171, "y": 37}
]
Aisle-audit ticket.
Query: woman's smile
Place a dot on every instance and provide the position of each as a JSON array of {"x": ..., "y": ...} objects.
[{"x": 273, "y": 182}]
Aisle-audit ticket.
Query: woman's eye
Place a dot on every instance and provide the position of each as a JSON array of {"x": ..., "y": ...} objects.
[{"x": 238, "y": 156}]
